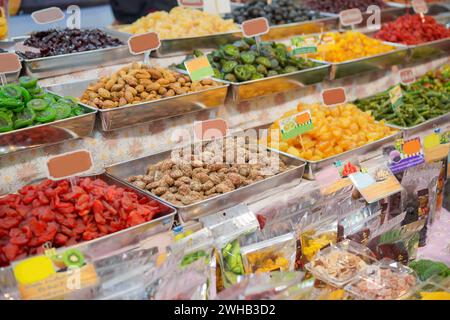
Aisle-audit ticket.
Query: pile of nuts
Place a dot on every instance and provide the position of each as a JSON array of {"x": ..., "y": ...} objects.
[
  {"x": 207, "y": 174},
  {"x": 138, "y": 83}
]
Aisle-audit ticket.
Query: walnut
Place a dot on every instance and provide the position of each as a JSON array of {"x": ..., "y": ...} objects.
[
  {"x": 184, "y": 190},
  {"x": 202, "y": 177},
  {"x": 210, "y": 191},
  {"x": 152, "y": 185},
  {"x": 253, "y": 174},
  {"x": 225, "y": 187},
  {"x": 167, "y": 165},
  {"x": 134, "y": 178},
  {"x": 160, "y": 191},
  {"x": 140, "y": 184},
  {"x": 208, "y": 185},
  {"x": 186, "y": 169},
  {"x": 244, "y": 170},
  {"x": 188, "y": 199},
  {"x": 196, "y": 186},
  {"x": 173, "y": 189},
  {"x": 216, "y": 166},
  {"x": 175, "y": 174},
  {"x": 185, "y": 180},
  {"x": 223, "y": 170},
  {"x": 197, "y": 164},
  {"x": 169, "y": 196},
  {"x": 236, "y": 179},
  {"x": 167, "y": 180},
  {"x": 214, "y": 177},
  {"x": 148, "y": 179}
]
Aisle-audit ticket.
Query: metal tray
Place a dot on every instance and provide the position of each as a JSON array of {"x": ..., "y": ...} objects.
[
  {"x": 312, "y": 167},
  {"x": 424, "y": 126},
  {"x": 184, "y": 46},
  {"x": 105, "y": 245},
  {"x": 74, "y": 62},
  {"x": 121, "y": 117},
  {"x": 377, "y": 62},
  {"x": 247, "y": 194},
  {"x": 241, "y": 91},
  {"x": 49, "y": 133}
]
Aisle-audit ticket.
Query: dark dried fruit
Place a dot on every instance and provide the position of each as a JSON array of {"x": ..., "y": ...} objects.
[
  {"x": 57, "y": 42},
  {"x": 336, "y": 6}
]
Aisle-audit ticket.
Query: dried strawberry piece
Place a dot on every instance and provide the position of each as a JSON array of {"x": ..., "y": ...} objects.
[{"x": 10, "y": 251}]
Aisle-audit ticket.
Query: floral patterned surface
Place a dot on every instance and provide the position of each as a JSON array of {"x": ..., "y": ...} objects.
[
  {"x": 438, "y": 242},
  {"x": 107, "y": 148}
]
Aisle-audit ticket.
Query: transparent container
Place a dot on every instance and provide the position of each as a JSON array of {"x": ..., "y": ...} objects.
[
  {"x": 339, "y": 264},
  {"x": 430, "y": 291},
  {"x": 385, "y": 280}
]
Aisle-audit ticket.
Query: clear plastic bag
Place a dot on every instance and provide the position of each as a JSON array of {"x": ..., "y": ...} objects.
[
  {"x": 261, "y": 286},
  {"x": 276, "y": 254}
]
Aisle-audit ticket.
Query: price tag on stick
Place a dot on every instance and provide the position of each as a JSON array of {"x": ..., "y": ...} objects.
[
  {"x": 350, "y": 17},
  {"x": 407, "y": 76},
  {"x": 49, "y": 15},
  {"x": 69, "y": 165},
  {"x": 9, "y": 63},
  {"x": 255, "y": 28},
  {"x": 333, "y": 97},
  {"x": 144, "y": 43},
  {"x": 210, "y": 129},
  {"x": 190, "y": 3}
]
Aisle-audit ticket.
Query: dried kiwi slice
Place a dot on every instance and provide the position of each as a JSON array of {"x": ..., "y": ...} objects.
[
  {"x": 24, "y": 118},
  {"x": 73, "y": 258},
  {"x": 11, "y": 91},
  {"x": 46, "y": 115},
  {"x": 28, "y": 82},
  {"x": 62, "y": 109},
  {"x": 38, "y": 104}
]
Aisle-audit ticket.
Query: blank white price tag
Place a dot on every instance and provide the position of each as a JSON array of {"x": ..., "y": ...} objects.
[{"x": 217, "y": 6}]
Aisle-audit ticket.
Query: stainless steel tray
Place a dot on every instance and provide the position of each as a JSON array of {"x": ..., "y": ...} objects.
[
  {"x": 312, "y": 167},
  {"x": 247, "y": 194},
  {"x": 49, "y": 133},
  {"x": 74, "y": 62},
  {"x": 241, "y": 91},
  {"x": 424, "y": 126},
  {"x": 103, "y": 246},
  {"x": 184, "y": 46},
  {"x": 121, "y": 117}
]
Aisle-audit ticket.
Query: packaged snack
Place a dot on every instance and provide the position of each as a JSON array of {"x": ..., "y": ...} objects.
[
  {"x": 228, "y": 244},
  {"x": 400, "y": 243},
  {"x": 426, "y": 269},
  {"x": 387, "y": 280},
  {"x": 341, "y": 263},
  {"x": 358, "y": 220},
  {"x": 419, "y": 195},
  {"x": 196, "y": 246},
  {"x": 276, "y": 254},
  {"x": 262, "y": 286}
]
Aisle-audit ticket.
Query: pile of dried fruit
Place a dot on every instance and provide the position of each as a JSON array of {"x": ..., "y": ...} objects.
[
  {"x": 180, "y": 22},
  {"x": 349, "y": 45},
  {"x": 138, "y": 83},
  {"x": 412, "y": 29},
  {"x": 26, "y": 104},
  {"x": 207, "y": 174},
  {"x": 56, "y": 42},
  {"x": 277, "y": 12},
  {"x": 336, "y": 130},
  {"x": 338, "y": 265},
  {"x": 336, "y": 6},
  {"x": 56, "y": 213},
  {"x": 383, "y": 285}
]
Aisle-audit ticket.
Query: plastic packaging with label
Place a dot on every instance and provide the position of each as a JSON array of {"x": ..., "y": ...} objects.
[{"x": 276, "y": 254}]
